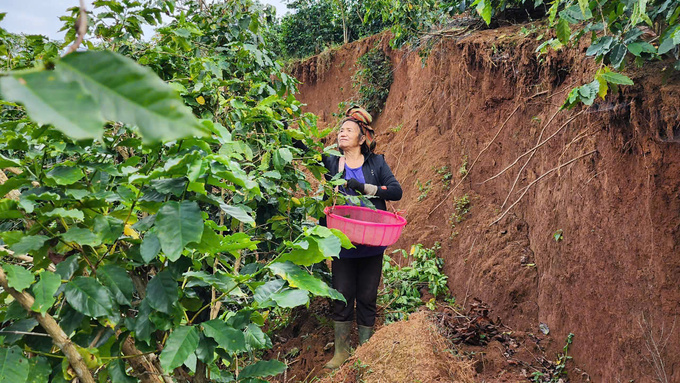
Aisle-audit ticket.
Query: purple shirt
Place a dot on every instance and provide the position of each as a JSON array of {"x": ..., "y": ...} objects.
[{"x": 360, "y": 250}]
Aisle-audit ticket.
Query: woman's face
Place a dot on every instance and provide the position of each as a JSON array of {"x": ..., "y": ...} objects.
[{"x": 349, "y": 136}]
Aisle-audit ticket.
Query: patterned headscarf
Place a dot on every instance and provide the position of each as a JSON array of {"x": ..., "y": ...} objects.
[{"x": 362, "y": 118}]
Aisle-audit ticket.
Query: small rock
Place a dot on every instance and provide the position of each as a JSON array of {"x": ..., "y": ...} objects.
[{"x": 544, "y": 328}]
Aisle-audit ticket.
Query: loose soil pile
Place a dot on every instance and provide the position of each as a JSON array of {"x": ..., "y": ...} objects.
[
  {"x": 588, "y": 240},
  {"x": 405, "y": 352}
]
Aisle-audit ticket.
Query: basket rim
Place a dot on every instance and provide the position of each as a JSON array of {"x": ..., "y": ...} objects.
[{"x": 328, "y": 212}]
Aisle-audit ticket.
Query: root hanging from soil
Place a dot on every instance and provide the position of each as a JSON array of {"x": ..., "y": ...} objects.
[{"x": 526, "y": 188}]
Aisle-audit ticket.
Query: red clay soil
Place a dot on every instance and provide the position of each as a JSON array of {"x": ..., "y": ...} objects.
[{"x": 481, "y": 102}]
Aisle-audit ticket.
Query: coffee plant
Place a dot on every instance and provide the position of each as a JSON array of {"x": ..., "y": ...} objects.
[
  {"x": 154, "y": 212},
  {"x": 402, "y": 286}
]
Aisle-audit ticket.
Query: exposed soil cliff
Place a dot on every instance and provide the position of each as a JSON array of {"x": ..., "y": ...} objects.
[{"x": 592, "y": 246}]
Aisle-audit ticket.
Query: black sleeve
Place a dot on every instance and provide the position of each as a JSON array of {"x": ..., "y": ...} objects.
[
  {"x": 389, "y": 188},
  {"x": 300, "y": 145}
]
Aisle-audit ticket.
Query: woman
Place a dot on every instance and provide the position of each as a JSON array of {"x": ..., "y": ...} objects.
[{"x": 356, "y": 273}]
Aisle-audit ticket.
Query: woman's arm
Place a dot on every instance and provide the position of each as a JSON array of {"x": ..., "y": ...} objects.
[{"x": 389, "y": 188}]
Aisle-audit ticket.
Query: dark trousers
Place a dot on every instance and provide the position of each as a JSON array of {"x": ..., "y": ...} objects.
[{"x": 357, "y": 279}]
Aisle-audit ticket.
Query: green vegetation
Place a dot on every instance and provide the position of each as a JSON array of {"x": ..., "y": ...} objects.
[
  {"x": 151, "y": 201},
  {"x": 424, "y": 189},
  {"x": 401, "y": 293},
  {"x": 556, "y": 372},
  {"x": 461, "y": 208},
  {"x": 373, "y": 78},
  {"x": 446, "y": 176},
  {"x": 620, "y": 32}
]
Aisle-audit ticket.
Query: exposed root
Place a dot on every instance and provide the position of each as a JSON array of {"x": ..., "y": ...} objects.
[{"x": 526, "y": 188}]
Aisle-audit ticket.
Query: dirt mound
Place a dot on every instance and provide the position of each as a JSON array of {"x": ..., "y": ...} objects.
[
  {"x": 405, "y": 352},
  {"x": 589, "y": 237}
]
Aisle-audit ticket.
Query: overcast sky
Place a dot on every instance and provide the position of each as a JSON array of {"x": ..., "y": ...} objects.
[{"x": 41, "y": 17}]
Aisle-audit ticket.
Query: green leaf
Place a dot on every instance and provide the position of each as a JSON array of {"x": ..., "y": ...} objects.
[
  {"x": 117, "y": 373},
  {"x": 118, "y": 281},
  {"x": 14, "y": 367},
  {"x": 227, "y": 337},
  {"x": 563, "y": 31},
  {"x": 237, "y": 212},
  {"x": 81, "y": 236},
  {"x": 65, "y": 175},
  {"x": 178, "y": 224},
  {"x": 330, "y": 246},
  {"x": 617, "y": 78},
  {"x": 8, "y": 209},
  {"x": 206, "y": 349},
  {"x": 256, "y": 339},
  {"x": 291, "y": 298},
  {"x": 143, "y": 327},
  {"x": 131, "y": 93},
  {"x": 150, "y": 247},
  {"x": 638, "y": 48},
  {"x": 617, "y": 54},
  {"x": 49, "y": 99},
  {"x": 162, "y": 292},
  {"x": 86, "y": 295},
  {"x": 181, "y": 343},
  {"x": 18, "y": 277},
  {"x": 39, "y": 371},
  {"x": 29, "y": 243},
  {"x": 264, "y": 292},
  {"x": 108, "y": 228},
  {"x": 344, "y": 241},
  {"x": 262, "y": 368},
  {"x": 484, "y": 10},
  {"x": 583, "y": 4},
  {"x": 63, "y": 213},
  {"x": 223, "y": 282},
  {"x": 44, "y": 291},
  {"x": 67, "y": 268},
  {"x": 305, "y": 257},
  {"x": 303, "y": 280}
]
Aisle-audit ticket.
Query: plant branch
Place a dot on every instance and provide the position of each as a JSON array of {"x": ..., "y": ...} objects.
[
  {"x": 57, "y": 334},
  {"x": 81, "y": 25}
]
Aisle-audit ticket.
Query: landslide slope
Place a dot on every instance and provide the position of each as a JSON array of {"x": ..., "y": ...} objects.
[{"x": 592, "y": 246}]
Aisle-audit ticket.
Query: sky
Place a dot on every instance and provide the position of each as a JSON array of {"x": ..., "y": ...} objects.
[{"x": 41, "y": 17}]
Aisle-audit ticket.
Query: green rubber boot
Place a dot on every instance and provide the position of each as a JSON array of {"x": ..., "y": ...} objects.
[
  {"x": 365, "y": 333},
  {"x": 342, "y": 330}
]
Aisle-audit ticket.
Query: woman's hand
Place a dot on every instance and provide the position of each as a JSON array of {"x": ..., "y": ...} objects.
[{"x": 366, "y": 189}]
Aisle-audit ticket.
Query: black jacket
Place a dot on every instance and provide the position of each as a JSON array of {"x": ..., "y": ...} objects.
[{"x": 376, "y": 172}]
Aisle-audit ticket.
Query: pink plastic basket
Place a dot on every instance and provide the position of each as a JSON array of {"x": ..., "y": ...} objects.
[{"x": 365, "y": 226}]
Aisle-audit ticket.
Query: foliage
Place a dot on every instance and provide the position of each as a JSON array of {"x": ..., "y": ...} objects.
[
  {"x": 461, "y": 207},
  {"x": 374, "y": 79},
  {"x": 401, "y": 292},
  {"x": 157, "y": 177},
  {"x": 424, "y": 189},
  {"x": 314, "y": 25},
  {"x": 446, "y": 176},
  {"x": 557, "y": 371}
]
